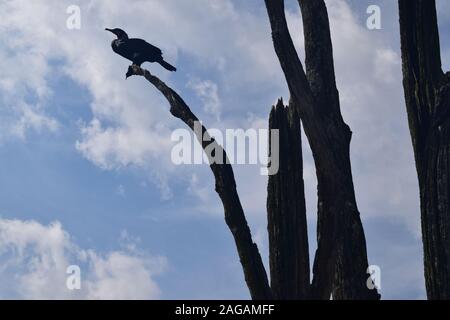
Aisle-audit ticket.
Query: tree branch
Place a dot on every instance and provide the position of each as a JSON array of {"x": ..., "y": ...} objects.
[
  {"x": 319, "y": 56},
  {"x": 254, "y": 272},
  {"x": 422, "y": 69}
]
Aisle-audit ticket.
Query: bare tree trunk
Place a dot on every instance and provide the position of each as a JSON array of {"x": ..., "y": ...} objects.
[
  {"x": 254, "y": 271},
  {"x": 427, "y": 94},
  {"x": 286, "y": 212},
  {"x": 340, "y": 265}
]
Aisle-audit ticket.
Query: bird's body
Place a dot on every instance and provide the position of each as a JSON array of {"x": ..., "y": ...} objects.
[{"x": 137, "y": 50}]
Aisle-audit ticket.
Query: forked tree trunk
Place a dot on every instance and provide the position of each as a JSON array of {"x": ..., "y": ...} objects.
[
  {"x": 340, "y": 265},
  {"x": 286, "y": 213},
  {"x": 427, "y": 93}
]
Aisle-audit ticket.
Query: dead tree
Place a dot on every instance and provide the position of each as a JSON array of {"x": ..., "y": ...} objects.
[
  {"x": 286, "y": 212},
  {"x": 427, "y": 94},
  {"x": 340, "y": 265}
]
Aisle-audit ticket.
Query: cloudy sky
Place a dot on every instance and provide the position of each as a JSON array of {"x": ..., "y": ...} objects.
[{"x": 86, "y": 173}]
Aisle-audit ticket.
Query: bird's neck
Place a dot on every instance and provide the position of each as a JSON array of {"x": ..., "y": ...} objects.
[
  {"x": 119, "y": 41},
  {"x": 115, "y": 44}
]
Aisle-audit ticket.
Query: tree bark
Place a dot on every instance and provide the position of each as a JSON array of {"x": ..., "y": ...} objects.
[
  {"x": 340, "y": 265},
  {"x": 254, "y": 271},
  {"x": 427, "y": 95},
  {"x": 286, "y": 212}
]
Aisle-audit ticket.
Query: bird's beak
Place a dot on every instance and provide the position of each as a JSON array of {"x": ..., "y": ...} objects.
[{"x": 110, "y": 30}]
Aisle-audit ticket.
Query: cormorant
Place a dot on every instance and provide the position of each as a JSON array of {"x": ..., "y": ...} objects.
[{"x": 137, "y": 50}]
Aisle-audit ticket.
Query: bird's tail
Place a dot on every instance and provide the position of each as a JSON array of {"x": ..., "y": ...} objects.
[{"x": 167, "y": 65}]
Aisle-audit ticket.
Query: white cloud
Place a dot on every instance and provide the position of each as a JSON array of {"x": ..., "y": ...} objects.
[
  {"x": 34, "y": 259},
  {"x": 33, "y": 119},
  {"x": 121, "y": 276},
  {"x": 23, "y": 87},
  {"x": 120, "y": 146},
  {"x": 386, "y": 62},
  {"x": 208, "y": 92}
]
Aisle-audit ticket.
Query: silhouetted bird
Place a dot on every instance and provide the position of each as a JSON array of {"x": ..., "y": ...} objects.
[{"x": 137, "y": 50}]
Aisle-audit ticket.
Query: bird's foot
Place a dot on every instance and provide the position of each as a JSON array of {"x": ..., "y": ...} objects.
[{"x": 130, "y": 72}]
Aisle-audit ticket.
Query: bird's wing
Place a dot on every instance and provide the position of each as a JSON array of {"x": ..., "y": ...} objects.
[{"x": 139, "y": 45}]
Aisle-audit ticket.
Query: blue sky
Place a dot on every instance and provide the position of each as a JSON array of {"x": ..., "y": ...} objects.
[{"x": 85, "y": 155}]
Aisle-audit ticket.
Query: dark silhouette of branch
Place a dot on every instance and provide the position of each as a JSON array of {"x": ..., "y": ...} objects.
[
  {"x": 254, "y": 271},
  {"x": 286, "y": 212},
  {"x": 427, "y": 95},
  {"x": 340, "y": 264}
]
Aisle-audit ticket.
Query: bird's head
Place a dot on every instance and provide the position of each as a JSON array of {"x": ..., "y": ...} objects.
[{"x": 119, "y": 33}]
